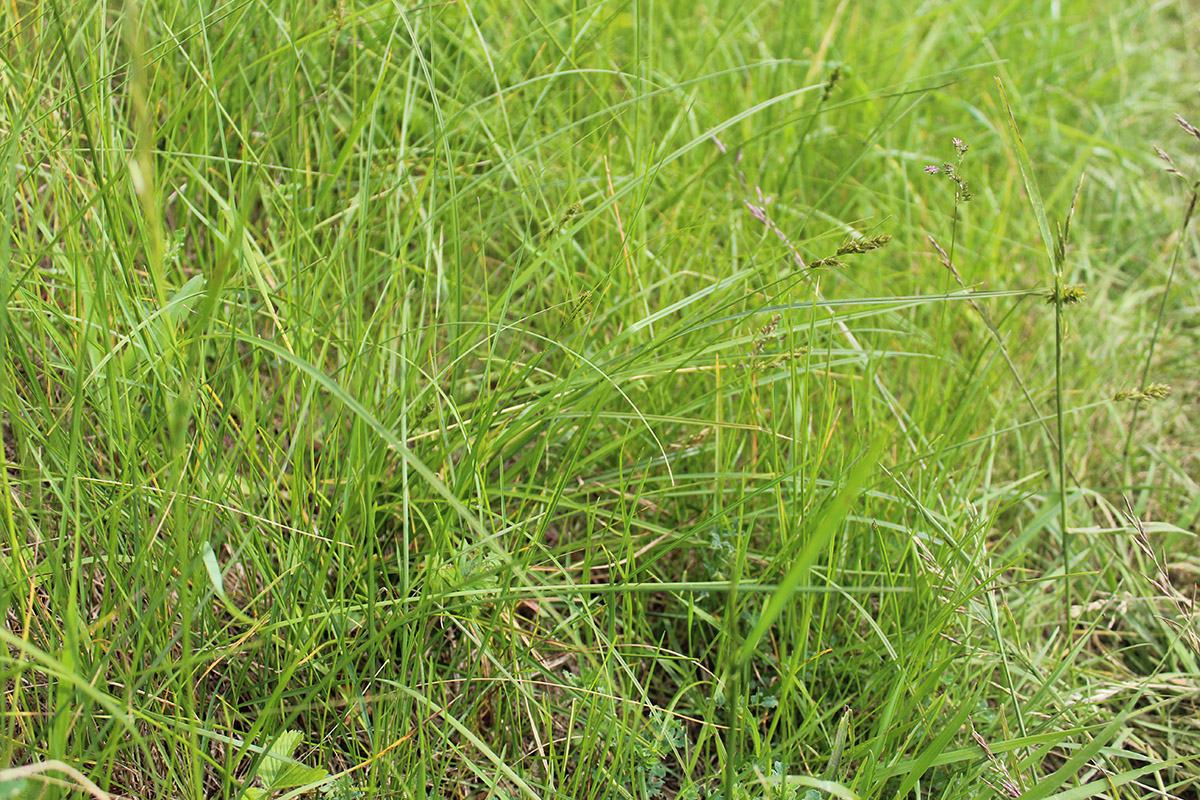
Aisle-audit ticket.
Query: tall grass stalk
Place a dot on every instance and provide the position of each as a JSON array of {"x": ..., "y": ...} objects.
[
  {"x": 1055, "y": 250},
  {"x": 1158, "y": 323}
]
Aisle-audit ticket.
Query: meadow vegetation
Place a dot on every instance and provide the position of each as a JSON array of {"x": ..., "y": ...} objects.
[{"x": 624, "y": 399}]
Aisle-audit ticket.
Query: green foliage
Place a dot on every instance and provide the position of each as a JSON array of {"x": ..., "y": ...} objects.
[
  {"x": 17, "y": 789},
  {"x": 598, "y": 400},
  {"x": 279, "y": 771}
]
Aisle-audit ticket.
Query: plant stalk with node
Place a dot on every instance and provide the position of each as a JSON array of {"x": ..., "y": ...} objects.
[{"x": 1143, "y": 394}]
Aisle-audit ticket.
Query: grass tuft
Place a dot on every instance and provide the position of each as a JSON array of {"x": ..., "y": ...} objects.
[{"x": 466, "y": 400}]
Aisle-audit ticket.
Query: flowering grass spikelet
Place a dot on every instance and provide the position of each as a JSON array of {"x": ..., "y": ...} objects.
[
  {"x": 1071, "y": 295},
  {"x": 1141, "y": 397},
  {"x": 856, "y": 246}
]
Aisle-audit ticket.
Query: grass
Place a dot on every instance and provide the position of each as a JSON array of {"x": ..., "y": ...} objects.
[{"x": 565, "y": 400}]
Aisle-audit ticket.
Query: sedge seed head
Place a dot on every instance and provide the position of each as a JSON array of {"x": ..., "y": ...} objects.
[
  {"x": 856, "y": 246},
  {"x": 1071, "y": 295},
  {"x": 1141, "y": 397}
]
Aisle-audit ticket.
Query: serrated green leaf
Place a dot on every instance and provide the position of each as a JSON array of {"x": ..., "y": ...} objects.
[
  {"x": 293, "y": 775},
  {"x": 286, "y": 744},
  {"x": 276, "y": 762}
]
